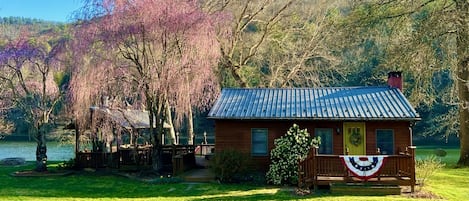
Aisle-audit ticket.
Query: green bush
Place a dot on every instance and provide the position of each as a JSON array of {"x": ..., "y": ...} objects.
[
  {"x": 229, "y": 164},
  {"x": 67, "y": 165},
  {"x": 424, "y": 168},
  {"x": 291, "y": 147},
  {"x": 440, "y": 152}
]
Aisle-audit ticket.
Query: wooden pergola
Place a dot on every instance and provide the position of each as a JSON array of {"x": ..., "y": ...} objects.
[{"x": 119, "y": 138}]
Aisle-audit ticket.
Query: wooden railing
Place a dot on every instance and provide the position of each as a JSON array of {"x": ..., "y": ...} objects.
[
  {"x": 96, "y": 159},
  {"x": 178, "y": 157},
  {"x": 316, "y": 167},
  {"x": 205, "y": 149},
  {"x": 182, "y": 157}
]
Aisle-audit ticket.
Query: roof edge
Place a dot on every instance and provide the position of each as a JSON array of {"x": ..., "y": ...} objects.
[{"x": 321, "y": 119}]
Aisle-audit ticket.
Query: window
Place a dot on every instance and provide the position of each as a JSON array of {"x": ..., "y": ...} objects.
[
  {"x": 259, "y": 141},
  {"x": 385, "y": 141},
  {"x": 326, "y": 140}
]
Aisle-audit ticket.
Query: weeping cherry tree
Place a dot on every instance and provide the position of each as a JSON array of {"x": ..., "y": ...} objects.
[
  {"x": 157, "y": 55},
  {"x": 27, "y": 83}
]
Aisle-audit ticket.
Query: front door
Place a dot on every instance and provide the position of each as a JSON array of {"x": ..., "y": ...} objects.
[{"x": 354, "y": 138}]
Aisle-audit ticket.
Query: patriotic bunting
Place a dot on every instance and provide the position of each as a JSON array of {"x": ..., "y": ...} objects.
[{"x": 364, "y": 167}]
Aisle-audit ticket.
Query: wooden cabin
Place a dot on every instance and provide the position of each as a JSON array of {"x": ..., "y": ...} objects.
[{"x": 353, "y": 121}]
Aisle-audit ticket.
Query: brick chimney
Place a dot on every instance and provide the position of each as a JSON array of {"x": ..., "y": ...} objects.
[{"x": 395, "y": 79}]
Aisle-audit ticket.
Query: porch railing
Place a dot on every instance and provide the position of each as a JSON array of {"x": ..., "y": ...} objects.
[
  {"x": 323, "y": 168},
  {"x": 178, "y": 157}
]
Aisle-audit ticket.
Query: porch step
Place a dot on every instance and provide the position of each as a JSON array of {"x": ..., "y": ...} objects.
[{"x": 364, "y": 189}]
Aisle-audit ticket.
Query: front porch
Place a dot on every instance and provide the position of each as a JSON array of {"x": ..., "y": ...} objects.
[{"x": 318, "y": 169}]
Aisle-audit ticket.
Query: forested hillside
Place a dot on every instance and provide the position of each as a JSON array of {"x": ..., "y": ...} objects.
[{"x": 10, "y": 29}]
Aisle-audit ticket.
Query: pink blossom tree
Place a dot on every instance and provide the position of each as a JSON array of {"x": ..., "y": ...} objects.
[
  {"x": 27, "y": 83},
  {"x": 158, "y": 53}
]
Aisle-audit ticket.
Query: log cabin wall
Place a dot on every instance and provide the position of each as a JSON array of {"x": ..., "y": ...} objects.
[
  {"x": 236, "y": 134},
  {"x": 402, "y": 138}
]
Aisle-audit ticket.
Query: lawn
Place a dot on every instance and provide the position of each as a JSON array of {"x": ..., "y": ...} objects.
[{"x": 449, "y": 183}]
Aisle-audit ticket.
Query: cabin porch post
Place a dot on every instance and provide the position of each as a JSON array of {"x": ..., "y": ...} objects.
[{"x": 412, "y": 168}]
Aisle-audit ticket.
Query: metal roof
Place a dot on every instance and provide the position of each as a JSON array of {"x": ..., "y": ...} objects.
[
  {"x": 328, "y": 103},
  {"x": 128, "y": 118}
]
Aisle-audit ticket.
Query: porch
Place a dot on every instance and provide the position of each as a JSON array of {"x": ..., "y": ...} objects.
[
  {"x": 318, "y": 169},
  {"x": 175, "y": 158}
]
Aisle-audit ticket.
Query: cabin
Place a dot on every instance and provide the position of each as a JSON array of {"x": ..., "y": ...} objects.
[{"x": 359, "y": 127}]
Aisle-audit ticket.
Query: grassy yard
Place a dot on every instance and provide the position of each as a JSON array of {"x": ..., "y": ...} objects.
[{"x": 449, "y": 183}]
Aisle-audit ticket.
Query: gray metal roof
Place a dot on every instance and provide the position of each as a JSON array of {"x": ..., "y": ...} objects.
[
  {"x": 128, "y": 118},
  {"x": 329, "y": 103}
]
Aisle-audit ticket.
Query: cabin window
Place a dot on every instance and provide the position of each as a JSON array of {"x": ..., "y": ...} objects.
[
  {"x": 259, "y": 141},
  {"x": 385, "y": 141},
  {"x": 326, "y": 140}
]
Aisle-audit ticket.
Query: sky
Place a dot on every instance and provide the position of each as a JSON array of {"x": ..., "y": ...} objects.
[{"x": 48, "y": 10}]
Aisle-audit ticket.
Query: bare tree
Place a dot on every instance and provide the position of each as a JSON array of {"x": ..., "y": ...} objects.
[
  {"x": 277, "y": 43},
  {"x": 422, "y": 38}
]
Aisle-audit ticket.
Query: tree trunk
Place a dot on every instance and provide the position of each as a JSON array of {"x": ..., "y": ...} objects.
[
  {"x": 169, "y": 119},
  {"x": 228, "y": 65},
  {"x": 190, "y": 129},
  {"x": 155, "y": 115},
  {"x": 462, "y": 42},
  {"x": 41, "y": 151}
]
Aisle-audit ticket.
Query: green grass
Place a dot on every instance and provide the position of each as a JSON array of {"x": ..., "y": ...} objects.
[
  {"x": 450, "y": 159},
  {"x": 449, "y": 183}
]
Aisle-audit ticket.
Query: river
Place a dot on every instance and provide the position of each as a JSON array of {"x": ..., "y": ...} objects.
[{"x": 27, "y": 150}]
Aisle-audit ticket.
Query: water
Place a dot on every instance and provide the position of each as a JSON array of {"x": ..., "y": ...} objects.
[{"x": 27, "y": 150}]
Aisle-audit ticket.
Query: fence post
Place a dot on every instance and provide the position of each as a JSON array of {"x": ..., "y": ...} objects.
[
  {"x": 205, "y": 138},
  {"x": 412, "y": 168},
  {"x": 314, "y": 168}
]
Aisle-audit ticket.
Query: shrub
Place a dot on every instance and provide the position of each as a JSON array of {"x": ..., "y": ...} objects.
[
  {"x": 229, "y": 164},
  {"x": 67, "y": 165},
  {"x": 424, "y": 168},
  {"x": 440, "y": 152},
  {"x": 291, "y": 147}
]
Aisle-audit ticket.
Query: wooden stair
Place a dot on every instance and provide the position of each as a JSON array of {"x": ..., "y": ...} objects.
[{"x": 364, "y": 189}]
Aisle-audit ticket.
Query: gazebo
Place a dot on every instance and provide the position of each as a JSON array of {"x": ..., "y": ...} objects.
[{"x": 120, "y": 138}]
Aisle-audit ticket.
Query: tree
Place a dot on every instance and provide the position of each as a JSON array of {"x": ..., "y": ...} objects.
[
  {"x": 145, "y": 53},
  {"x": 423, "y": 38},
  {"x": 27, "y": 83},
  {"x": 6, "y": 127},
  {"x": 276, "y": 43}
]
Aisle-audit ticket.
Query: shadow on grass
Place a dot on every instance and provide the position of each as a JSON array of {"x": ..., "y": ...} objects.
[
  {"x": 95, "y": 185},
  {"x": 280, "y": 194},
  {"x": 99, "y": 185}
]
